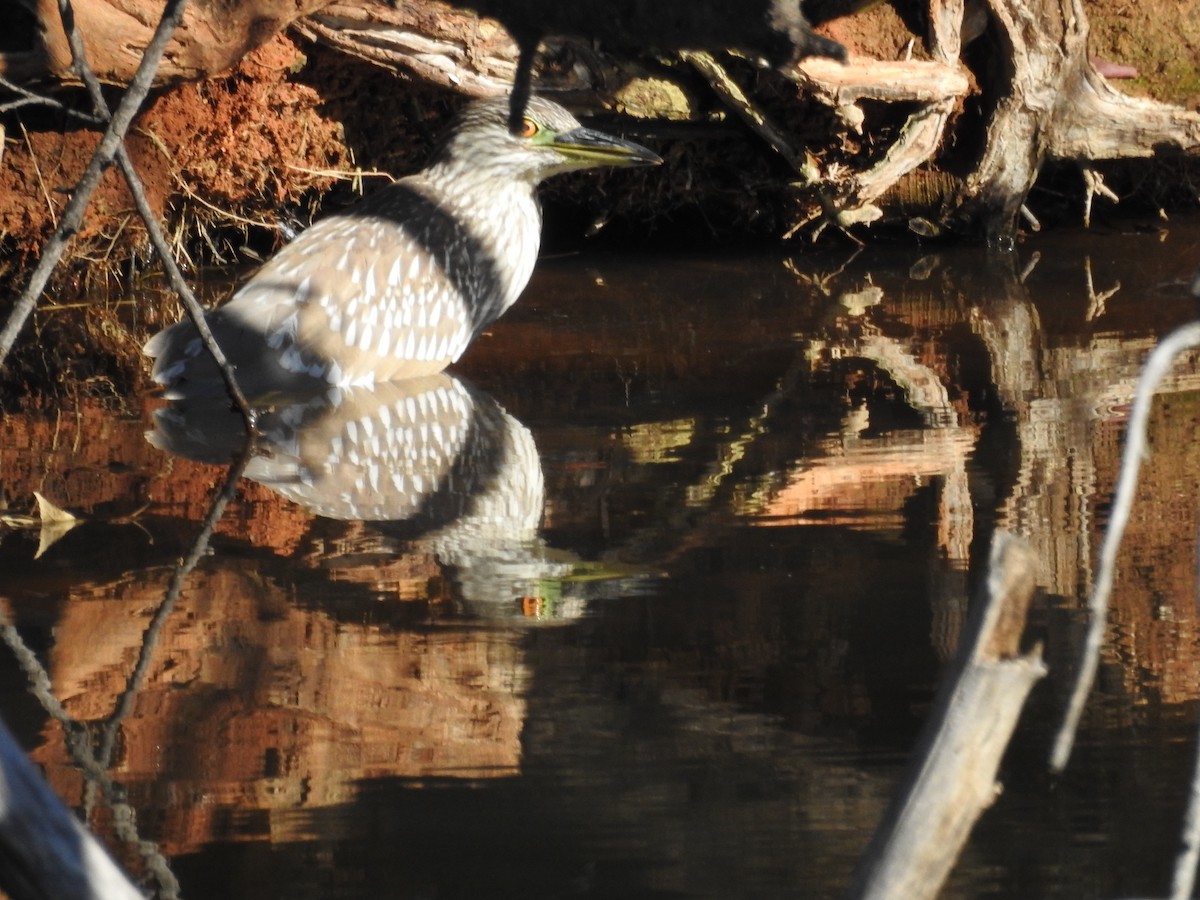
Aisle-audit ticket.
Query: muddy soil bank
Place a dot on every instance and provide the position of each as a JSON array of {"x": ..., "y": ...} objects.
[{"x": 296, "y": 126}]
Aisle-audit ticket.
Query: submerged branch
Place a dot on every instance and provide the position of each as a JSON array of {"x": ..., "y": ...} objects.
[{"x": 1183, "y": 879}]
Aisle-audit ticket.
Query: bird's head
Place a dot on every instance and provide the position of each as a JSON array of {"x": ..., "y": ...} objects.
[{"x": 547, "y": 141}]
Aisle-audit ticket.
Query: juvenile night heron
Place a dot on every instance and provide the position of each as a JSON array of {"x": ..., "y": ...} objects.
[{"x": 399, "y": 285}]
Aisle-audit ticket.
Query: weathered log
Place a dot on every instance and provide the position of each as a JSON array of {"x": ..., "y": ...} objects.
[
  {"x": 1053, "y": 104},
  {"x": 776, "y": 28},
  {"x": 1042, "y": 97},
  {"x": 428, "y": 41},
  {"x": 212, "y": 38},
  {"x": 952, "y": 777}
]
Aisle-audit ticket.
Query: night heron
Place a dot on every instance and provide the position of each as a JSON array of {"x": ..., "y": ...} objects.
[{"x": 399, "y": 285}]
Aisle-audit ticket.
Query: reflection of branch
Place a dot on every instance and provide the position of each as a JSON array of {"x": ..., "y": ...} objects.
[
  {"x": 153, "y": 229},
  {"x": 712, "y": 491},
  {"x": 1097, "y": 302},
  {"x": 47, "y": 852},
  {"x": 78, "y": 739},
  {"x": 35, "y": 812},
  {"x": 1156, "y": 368},
  {"x": 150, "y": 638}
]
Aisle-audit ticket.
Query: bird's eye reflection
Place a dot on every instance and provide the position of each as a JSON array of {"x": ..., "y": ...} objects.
[{"x": 528, "y": 128}]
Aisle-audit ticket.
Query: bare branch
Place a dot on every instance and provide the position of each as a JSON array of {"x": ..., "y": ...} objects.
[
  {"x": 157, "y": 239},
  {"x": 31, "y": 98},
  {"x": 101, "y": 159},
  {"x": 1184, "y": 877}
]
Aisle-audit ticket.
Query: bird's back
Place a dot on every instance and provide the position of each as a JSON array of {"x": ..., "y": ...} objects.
[{"x": 395, "y": 287}]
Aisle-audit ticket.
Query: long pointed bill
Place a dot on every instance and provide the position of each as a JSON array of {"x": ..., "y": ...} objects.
[{"x": 599, "y": 149}]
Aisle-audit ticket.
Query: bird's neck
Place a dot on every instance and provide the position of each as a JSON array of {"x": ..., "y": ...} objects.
[{"x": 501, "y": 212}]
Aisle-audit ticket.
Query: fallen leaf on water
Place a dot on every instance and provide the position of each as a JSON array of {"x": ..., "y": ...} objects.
[
  {"x": 55, "y": 522},
  {"x": 50, "y": 513}
]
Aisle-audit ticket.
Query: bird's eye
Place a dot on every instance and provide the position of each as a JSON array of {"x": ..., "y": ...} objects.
[{"x": 528, "y": 128}]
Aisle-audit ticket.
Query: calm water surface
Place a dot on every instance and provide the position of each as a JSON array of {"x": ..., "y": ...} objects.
[{"x": 655, "y": 593}]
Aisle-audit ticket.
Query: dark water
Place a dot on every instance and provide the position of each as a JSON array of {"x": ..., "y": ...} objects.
[{"x": 671, "y": 568}]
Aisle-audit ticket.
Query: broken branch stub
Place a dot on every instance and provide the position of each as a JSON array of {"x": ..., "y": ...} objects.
[{"x": 951, "y": 779}]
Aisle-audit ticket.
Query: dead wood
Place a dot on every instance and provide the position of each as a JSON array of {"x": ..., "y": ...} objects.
[
  {"x": 211, "y": 38},
  {"x": 429, "y": 41},
  {"x": 1047, "y": 101},
  {"x": 1052, "y": 104},
  {"x": 952, "y": 777}
]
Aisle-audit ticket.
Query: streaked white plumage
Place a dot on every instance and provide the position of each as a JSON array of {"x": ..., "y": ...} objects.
[{"x": 399, "y": 285}]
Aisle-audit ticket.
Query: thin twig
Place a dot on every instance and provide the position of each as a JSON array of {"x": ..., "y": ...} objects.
[
  {"x": 37, "y": 171},
  {"x": 102, "y": 157},
  {"x": 1156, "y": 368},
  {"x": 30, "y": 98},
  {"x": 153, "y": 228}
]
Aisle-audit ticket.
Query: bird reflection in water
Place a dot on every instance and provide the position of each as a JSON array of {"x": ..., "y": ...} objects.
[
  {"x": 428, "y": 459},
  {"x": 389, "y": 294}
]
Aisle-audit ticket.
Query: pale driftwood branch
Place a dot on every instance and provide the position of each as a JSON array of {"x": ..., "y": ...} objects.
[
  {"x": 409, "y": 39},
  {"x": 945, "y": 30},
  {"x": 1183, "y": 879},
  {"x": 1157, "y": 367},
  {"x": 953, "y": 776},
  {"x": 891, "y": 81},
  {"x": 1095, "y": 121},
  {"x": 157, "y": 239},
  {"x": 102, "y": 158},
  {"x": 1057, "y": 106},
  {"x": 1042, "y": 44},
  {"x": 916, "y": 145},
  {"x": 44, "y": 851},
  {"x": 939, "y": 87}
]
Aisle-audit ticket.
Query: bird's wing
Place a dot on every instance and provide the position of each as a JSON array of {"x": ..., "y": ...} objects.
[{"x": 390, "y": 289}]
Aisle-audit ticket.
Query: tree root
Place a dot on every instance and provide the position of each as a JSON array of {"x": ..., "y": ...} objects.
[{"x": 1043, "y": 98}]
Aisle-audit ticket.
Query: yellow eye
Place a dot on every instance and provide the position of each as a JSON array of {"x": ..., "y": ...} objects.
[{"x": 528, "y": 128}]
